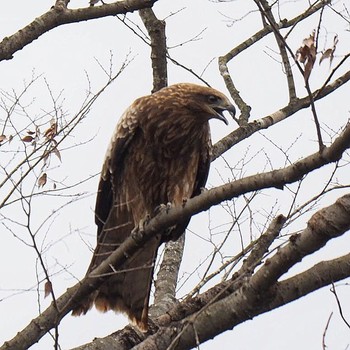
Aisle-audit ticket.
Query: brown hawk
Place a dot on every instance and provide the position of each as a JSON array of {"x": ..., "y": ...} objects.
[{"x": 159, "y": 154}]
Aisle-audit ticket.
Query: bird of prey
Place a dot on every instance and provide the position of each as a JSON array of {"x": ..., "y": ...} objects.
[{"x": 159, "y": 153}]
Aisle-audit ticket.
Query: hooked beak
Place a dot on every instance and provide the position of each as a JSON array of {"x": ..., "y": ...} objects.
[{"x": 220, "y": 109}]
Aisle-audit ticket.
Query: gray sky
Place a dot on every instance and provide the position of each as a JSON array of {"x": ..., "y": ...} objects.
[{"x": 65, "y": 56}]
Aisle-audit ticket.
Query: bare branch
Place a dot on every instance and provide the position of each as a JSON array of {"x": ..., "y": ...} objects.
[
  {"x": 324, "y": 346},
  {"x": 277, "y": 178},
  {"x": 156, "y": 31},
  {"x": 247, "y": 130},
  {"x": 223, "y": 60},
  {"x": 258, "y": 294},
  {"x": 165, "y": 285},
  {"x": 334, "y": 291},
  {"x": 59, "y": 15},
  {"x": 266, "y": 11}
]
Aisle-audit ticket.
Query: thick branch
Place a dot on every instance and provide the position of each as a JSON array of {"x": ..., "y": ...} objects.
[
  {"x": 165, "y": 285},
  {"x": 261, "y": 293},
  {"x": 192, "y": 304},
  {"x": 277, "y": 178},
  {"x": 156, "y": 31},
  {"x": 59, "y": 15},
  {"x": 277, "y": 295}
]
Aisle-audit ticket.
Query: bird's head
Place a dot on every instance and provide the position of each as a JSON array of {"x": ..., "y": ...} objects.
[
  {"x": 204, "y": 102},
  {"x": 216, "y": 103}
]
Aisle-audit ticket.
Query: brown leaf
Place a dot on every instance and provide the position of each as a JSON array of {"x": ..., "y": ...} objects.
[
  {"x": 3, "y": 138},
  {"x": 27, "y": 138},
  {"x": 47, "y": 289},
  {"x": 329, "y": 53},
  {"x": 42, "y": 180},
  {"x": 306, "y": 54},
  {"x": 51, "y": 131},
  {"x": 29, "y": 132}
]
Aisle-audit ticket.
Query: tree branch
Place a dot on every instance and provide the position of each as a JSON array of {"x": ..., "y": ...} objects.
[
  {"x": 192, "y": 304},
  {"x": 266, "y": 11},
  {"x": 277, "y": 178},
  {"x": 156, "y": 31},
  {"x": 256, "y": 295},
  {"x": 233, "y": 295},
  {"x": 249, "y": 129},
  {"x": 165, "y": 285},
  {"x": 59, "y": 15},
  {"x": 223, "y": 60}
]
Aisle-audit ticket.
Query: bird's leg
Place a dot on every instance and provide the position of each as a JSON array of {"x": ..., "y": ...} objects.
[{"x": 140, "y": 227}]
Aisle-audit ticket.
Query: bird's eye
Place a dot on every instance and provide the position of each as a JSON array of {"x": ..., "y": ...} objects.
[{"x": 213, "y": 99}]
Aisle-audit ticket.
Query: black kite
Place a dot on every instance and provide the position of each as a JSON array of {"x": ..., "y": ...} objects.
[{"x": 159, "y": 154}]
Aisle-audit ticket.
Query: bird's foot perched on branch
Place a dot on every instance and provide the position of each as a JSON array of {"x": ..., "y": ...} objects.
[
  {"x": 139, "y": 229},
  {"x": 203, "y": 189},
  {"x": 162, "y": 207}
]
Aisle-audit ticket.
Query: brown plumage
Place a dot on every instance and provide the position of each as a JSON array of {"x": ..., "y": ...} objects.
[{"x": 159, "y": 153}]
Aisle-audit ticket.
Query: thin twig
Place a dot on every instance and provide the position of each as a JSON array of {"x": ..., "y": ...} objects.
[
  {"x": 333, "y": 290},
  {"x": 324, "y": 346}
]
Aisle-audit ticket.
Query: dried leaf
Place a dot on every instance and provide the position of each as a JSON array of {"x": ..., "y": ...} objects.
[
  {"x": 57, "y": 153},
  {"x": 3, "y": 138},
  {"x": 306, "y": 54},
  {"x": 42, "y": 180},
  {"x": 29, "y": 132},
  {"x": 47, "y": 289},
  {"x": 54, "y": 185},
  {"x": 51, "y": 131},
  {"x": 329, "y": 53},
  {"x": 310, "y": 41},
  {"x": 10, "y": 138},
  {"x": 27, "y": 138}
]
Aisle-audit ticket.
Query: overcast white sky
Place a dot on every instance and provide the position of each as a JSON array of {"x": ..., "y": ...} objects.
[{"x": 65, "y": 56}]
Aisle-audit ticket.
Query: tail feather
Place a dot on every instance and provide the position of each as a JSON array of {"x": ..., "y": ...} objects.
[{"x": 127, "y": 290}]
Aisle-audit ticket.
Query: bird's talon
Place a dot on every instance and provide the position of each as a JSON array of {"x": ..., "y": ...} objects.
[
  {"x": 162, "y": 207},
  {"x": 159, "y": 208},
  {"x": 203, "y": 189}
]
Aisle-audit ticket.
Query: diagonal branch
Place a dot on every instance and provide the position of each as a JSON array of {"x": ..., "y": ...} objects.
[
  {"x": 262, "y": 292},
  {"x": 248, "y": 129},
  {"x": 59, "y": 15},
  {"x": 277, "y": 178},
  {"x": 225, "y": 59},
  {"x": 266, "y": 11},
  {"x": 233, "y": 303}
]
